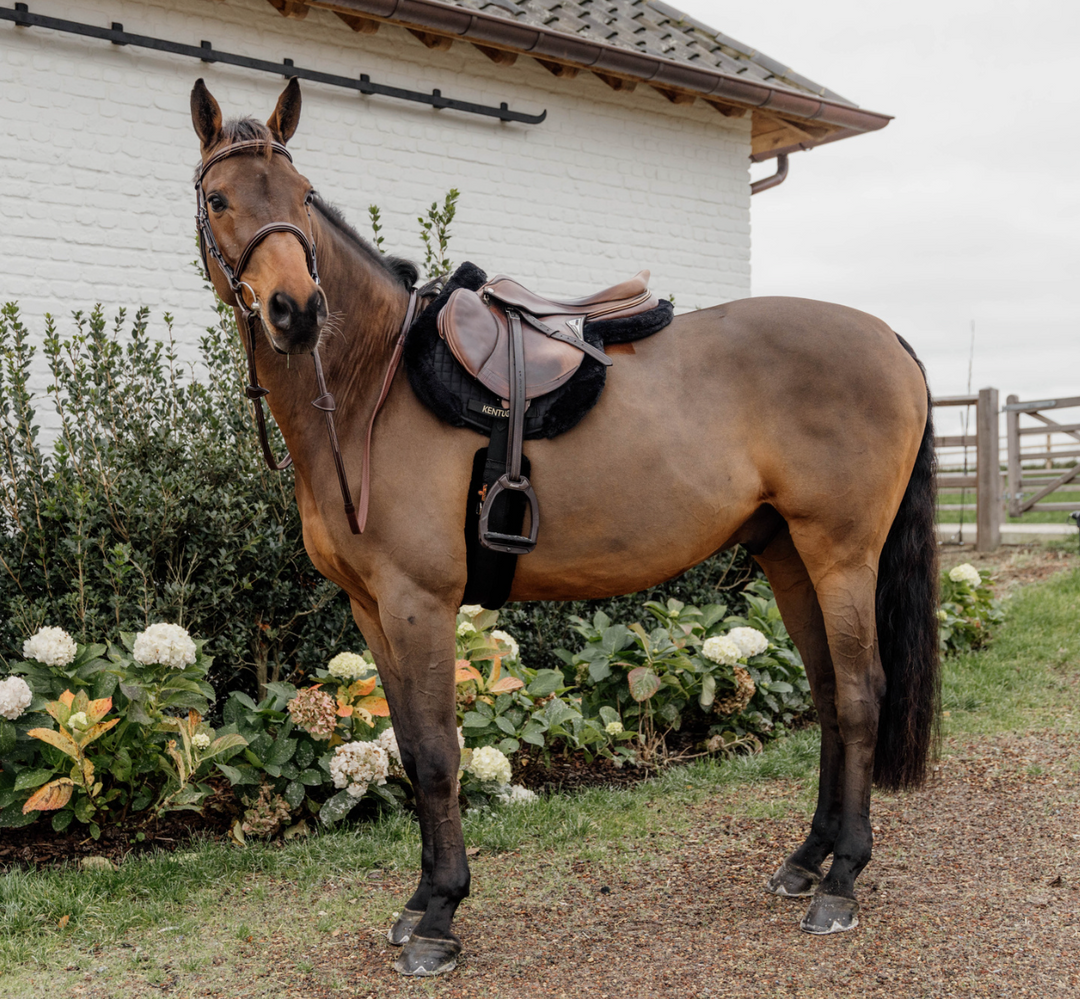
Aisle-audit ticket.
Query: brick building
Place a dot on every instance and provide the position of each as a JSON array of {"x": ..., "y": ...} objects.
[{"x": 642, "y": 159}]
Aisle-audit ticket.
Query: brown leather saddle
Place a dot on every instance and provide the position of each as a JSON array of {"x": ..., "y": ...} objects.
[{"x": 521, "y": 346}]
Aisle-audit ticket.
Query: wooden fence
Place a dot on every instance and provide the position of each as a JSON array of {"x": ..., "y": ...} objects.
[
  {"x": 1042, "y": 467},
  {"x": 954, "y": 460},
  {"x": 1041, "y": 458}
]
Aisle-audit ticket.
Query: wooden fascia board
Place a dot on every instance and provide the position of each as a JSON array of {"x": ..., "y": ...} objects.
[{"x": 554, "y": 49}]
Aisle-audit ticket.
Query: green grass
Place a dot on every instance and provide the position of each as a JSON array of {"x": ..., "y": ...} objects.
[
  {"x": 1031, "y": 517},
  {"x": 187, "y": 915}
]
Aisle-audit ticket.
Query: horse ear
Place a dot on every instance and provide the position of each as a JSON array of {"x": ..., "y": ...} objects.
[
  {"x": 282, "y": 123},
  {"x": 205, "y": 115}
]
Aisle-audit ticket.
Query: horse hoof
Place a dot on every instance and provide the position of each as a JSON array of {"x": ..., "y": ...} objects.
[
  {"x": 426, "y": 956},
  {"x": 830, "y": 914},
  {"x": 402, "y": 929},
  {"x": 793, "y": 881}
]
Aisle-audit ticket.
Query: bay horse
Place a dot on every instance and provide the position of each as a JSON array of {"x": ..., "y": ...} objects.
[{"x": 796, "y": 428}]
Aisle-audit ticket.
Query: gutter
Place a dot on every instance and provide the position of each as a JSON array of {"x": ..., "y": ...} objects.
[{"x": 557, "y": 46}]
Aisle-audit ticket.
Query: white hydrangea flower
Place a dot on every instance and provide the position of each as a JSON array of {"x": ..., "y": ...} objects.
[
  {"x": 357, "y": 765},
  {"x": 965, "y": 573},
  {"x": 347, "y": 666},
  {"x": 167, "y": 644},
  {"x": 78, "y": 720},
  {"x": 15, "y": 697},
  {"x": 613, "y": 727},
  {"x": 51, "y": 647},
  {"x": 750, "y": 641},
  {"x": 515, "y": 794},
  {"x": 460, "y": 737},
  {"x": 200, "y": 740},
  {"x": 471, "y": 610},
  {"x": 721, "y": 649},
  {"x": 489, "y": 763},
  {"x": 510, "y": 642},
  {"x": 465, "y": 629}
]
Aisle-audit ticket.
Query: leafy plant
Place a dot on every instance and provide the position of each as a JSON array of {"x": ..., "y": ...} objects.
[
  {"x": 435, "y": 234},
  {"x": 968, "y": 610}
]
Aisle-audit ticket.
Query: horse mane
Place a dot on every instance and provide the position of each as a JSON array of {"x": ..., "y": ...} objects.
[{"x": 403, "y": 271}]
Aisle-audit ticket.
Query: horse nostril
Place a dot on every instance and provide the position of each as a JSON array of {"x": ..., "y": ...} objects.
[
  {"x": 316, "y": 307},
  {"x": 282, "y": 309}
]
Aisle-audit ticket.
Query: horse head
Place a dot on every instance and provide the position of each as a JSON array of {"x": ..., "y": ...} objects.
[{"x": 254, "y": 220}]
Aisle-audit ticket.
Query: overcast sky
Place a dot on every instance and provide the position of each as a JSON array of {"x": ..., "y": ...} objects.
[{"x": 966, "y": 207}]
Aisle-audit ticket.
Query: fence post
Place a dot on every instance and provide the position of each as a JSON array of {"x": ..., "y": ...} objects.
[
  {"x": 1012, "y": 443},
  {"x": 988, "y": 471}
]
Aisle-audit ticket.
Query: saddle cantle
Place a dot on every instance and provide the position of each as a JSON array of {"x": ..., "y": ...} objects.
[{"x": 476, "y": 326}]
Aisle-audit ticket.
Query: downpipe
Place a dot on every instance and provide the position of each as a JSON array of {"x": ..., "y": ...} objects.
[{"x": 775, "y": 180}]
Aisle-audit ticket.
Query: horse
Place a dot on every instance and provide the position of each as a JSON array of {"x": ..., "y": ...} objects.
[{"x": 798, "y": 429}]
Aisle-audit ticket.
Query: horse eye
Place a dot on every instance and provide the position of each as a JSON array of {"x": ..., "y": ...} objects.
[{"x": 216, "y": 202}]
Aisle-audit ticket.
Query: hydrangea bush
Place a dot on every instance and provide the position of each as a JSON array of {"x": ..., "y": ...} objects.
[{"x": 968, "y": 610}]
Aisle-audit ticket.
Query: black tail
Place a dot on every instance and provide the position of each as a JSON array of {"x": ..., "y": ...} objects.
[{"x": 907, "y": 626}]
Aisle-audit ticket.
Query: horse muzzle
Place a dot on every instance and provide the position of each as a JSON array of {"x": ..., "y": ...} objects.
[{"x": 294, "y": 328}]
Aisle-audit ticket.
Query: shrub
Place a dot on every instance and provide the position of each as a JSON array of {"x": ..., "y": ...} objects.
[
  {"x": 968, "y": 610},
  {"x": 153, "y": 503}
]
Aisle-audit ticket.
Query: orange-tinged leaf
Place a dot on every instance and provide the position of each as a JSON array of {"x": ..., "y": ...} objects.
[
  {"x": 96, "y": 731},
  {"x": 52, "y": 796},
  {"x": 375, "y": 705},
  {"x": 61, "y": 740},
  {"x": 63, "y": 921},
  {"x": 363, "y": 687},
  {"x": 344, "y": 710},
  {"x": 96, "y": 710},
  {"x": 466, "y": 671},
  {"x": 505, "y": 684},
  {"x": 66, "y": 698},
  {"x": 496, "y": 669}
]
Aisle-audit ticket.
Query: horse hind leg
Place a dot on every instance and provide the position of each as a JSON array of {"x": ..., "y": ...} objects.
[
  {"x": 849, "y": 698},
  {"x": 801, "y": 872}
]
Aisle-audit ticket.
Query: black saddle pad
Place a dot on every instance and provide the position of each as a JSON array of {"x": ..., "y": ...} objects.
[{"x": 450, "y": 392}]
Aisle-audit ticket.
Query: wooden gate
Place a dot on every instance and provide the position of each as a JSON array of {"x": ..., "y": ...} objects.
[{"x": 1044, "y": 466}]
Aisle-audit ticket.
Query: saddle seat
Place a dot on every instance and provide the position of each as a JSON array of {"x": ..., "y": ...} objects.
[{"x": 476, "y": 328}]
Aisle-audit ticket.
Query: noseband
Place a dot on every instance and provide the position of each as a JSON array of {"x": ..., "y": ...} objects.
[{"x": 251, "y": 315}]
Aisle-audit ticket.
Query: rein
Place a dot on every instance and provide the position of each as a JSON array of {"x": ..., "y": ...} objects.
[{"x": 252, "y": 319}]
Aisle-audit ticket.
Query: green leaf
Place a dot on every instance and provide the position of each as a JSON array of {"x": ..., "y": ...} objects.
[
  {"x": 599, "y": 670},
  {"x": 608, "y": 715},
  {"x": 509, "y": 746},
  {"x": 708, "y": 692},
  {"x": 294, "y": 794},
  {"x": 505, "y": 725},
  {"x": 337, "y": 807},
  {"x": 281, "y": 751},
  {"x": 473, "y": 719},
  {"x": 643, "y": 683},
  {"x": 26, "y": 780},
  {"x": 547, "y": 681},
  {"x": 313, "y": 778},
  {"x": 62, "y": 819},
  {"x": 8, "y": 734},
  {"x": 12, "y": 817},
  {"x": 235, "y": 776},
  {"x": 305, "y": 753}
]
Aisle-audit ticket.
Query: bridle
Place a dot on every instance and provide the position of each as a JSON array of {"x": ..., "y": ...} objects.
[{"x": 251, "y": 315}]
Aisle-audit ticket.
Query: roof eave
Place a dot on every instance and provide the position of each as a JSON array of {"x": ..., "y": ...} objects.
[{"x": 557, "y": 46}]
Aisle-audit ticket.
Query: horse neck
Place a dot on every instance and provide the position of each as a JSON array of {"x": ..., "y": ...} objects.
[{"x": 367, "y": 307}]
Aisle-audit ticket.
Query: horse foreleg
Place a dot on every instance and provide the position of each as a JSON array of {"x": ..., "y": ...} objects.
[
  {"x": 413, "y": 642},
  {"x": 801, "y": 872}
]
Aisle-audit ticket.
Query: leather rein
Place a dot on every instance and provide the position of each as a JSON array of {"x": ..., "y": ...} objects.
[{"x": 251, "y": 316}]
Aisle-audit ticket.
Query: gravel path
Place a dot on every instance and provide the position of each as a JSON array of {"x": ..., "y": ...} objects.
[{"x": 973, "y": 892}]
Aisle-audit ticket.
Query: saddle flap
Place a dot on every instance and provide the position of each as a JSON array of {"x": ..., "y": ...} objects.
[{"x": 478, "y": 336}]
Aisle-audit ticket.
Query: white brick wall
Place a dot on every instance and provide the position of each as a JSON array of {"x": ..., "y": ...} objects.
[{"x": 97, "y": 151}]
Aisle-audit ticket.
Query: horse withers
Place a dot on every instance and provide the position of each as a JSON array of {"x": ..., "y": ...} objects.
[{"x": 796, "y": 428}]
